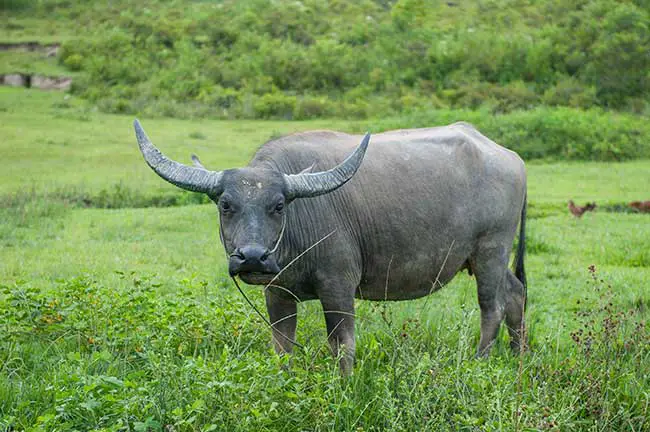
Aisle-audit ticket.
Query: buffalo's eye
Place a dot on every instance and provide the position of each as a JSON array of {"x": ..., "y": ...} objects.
[
  {"x": 225, "y": 206},
  {"x": 279, "y": 207}
]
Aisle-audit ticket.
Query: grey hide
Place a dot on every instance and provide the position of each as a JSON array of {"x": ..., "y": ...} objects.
[{"x": 423, "y": 205}]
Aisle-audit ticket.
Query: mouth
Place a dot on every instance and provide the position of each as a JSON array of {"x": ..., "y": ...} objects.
[{"x": 256, "y": 278}]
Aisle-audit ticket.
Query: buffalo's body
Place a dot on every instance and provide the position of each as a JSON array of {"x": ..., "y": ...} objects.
[
  {"x": 424, "y": 204},
  {"x": 416, "y": 211}
]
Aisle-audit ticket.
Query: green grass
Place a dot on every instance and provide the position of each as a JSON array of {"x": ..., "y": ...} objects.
[
  {"x": 125, "y": 319},
  {"x": 42, "y": 154},
  {"x": 604, "y": 182}
]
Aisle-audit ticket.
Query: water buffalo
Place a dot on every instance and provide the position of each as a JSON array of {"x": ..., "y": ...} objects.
[{"x": 423, "y": 205}]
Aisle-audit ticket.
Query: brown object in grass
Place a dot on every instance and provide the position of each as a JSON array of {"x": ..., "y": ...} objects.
[
  {"x": 578, "y": 211},
  {"x": 642, "y": 206}
]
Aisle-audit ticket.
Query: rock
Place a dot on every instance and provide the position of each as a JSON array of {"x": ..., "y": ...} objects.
[
  {"x": 51, "y": 83},
  {"x": 14, "y": 80}
]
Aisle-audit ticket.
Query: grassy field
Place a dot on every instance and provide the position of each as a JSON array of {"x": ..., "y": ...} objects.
[{"x": 123, "y": 318}]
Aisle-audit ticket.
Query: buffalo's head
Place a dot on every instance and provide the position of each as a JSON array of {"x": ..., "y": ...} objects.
[{"x": 251, "y": 202}]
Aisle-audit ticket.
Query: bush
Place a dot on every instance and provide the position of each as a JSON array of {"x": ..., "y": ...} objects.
[
  {"x": 570, "y": 92},
  {"x": 274, "y": 105},
  {"x": 620, "y": 55},
  {"x": 604, "y": 44},
  {"x": 501, "y": 99},
  {"x": 73, "y": 62},
  {"x": 313, "y": 107},
  {"x": 115, "y": 196},
  {"x": 566, "y": 133}
]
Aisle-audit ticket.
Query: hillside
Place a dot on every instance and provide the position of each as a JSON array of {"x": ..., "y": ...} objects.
[{"x": 307, "y": 59}]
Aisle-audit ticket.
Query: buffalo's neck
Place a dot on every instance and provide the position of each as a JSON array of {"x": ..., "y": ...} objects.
[{"x": 317, "y": 237}]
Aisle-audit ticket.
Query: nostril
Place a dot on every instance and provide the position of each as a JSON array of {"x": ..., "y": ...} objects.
[{"x": 251, "y": 255}]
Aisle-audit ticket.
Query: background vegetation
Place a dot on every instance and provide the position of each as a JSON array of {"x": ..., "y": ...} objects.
[{"x": 306, "y": 59}]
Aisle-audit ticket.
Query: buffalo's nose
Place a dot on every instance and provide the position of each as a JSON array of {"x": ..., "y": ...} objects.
[
  {"x": 252, "y": 258},
  {"x": 252, "y": 254}
]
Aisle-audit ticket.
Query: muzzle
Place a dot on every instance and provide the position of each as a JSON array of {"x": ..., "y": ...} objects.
[{"x": 254, "y": 264}]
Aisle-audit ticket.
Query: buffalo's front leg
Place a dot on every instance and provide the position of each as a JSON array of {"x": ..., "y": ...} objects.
[
  {"x": 339, "y": 318},
  {"x": 283, "y": 316}
]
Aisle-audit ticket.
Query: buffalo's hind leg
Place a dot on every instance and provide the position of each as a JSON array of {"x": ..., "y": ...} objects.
[
  {"x": 515, "y": 308},
  {"x": 490, "y": 267}
]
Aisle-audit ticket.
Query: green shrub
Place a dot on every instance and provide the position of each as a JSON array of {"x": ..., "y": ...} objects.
[
  {"x": 222, "y": 97},
  {"x": 116, "y": 105},
  {"x": 73, "y": 62},
  {"x": 620, "y": 60},
  {"x": 355, "y": 110},
  {"x": 313, "y": 107},
  {"x": 118, "y": 195},
  {"x": 274, "y": 105},
  {"x": 604, "y": 44},
  {"x": 501, "y": 99},
  {"x": 570, "y": 92},
  {"x": 566, "y": 133}
]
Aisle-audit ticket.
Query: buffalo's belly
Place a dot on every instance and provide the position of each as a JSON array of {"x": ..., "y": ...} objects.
[{"x": 409, "y": 279}]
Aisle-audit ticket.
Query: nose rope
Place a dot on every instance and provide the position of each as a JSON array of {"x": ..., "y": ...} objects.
[
  {"x": 223, "y": 242},
  {"x": 250, "y": 303},
  {"x": 284, "y": 224},
  {"x": 277, "y": 243},
  {"x": 293, "y": 342}
]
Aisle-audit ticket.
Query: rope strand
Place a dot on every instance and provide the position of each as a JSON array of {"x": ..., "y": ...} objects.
[{"x": 264, "y": 318}]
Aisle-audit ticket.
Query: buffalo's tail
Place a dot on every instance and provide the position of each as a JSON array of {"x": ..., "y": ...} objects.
[{"x": 520, "y": 271}]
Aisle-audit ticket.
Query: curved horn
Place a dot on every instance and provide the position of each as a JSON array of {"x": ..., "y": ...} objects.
[
  {"x": 183, "y": 176},
  {"x": 306, "y": 185}
]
